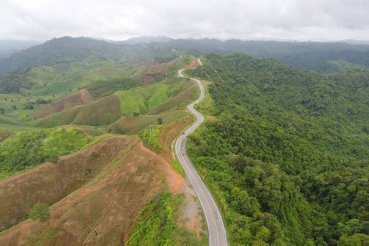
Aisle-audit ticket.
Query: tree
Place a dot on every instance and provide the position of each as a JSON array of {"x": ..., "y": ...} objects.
[
  {"x": 40, "y": 212},
  {"x": 160, "y": 121},
  {"x": 28, "y": 106}
]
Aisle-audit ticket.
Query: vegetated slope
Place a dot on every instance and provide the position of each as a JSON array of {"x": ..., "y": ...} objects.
[
  {"x": 110, "y": 183},
  {"x": 68, "y": 49},
  {"x": 286, "y": 155},
  {"x": 8, "y": 47},
  {"x": 321, "y": 57},
  {"x": 64, "y": 49},
  {"x": 145, "y": 99},
  {"x": 25, "y": 150},
  {"x": 79, "y": 98},
  {"x": 161, "y": 101},
  {"x": 62, "y": 78},
  {"x": 100, "y": 112},
  {"x": 158, "y": 98}
]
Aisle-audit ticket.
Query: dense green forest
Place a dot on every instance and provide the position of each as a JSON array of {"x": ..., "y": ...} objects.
[
  {"x": 317, "y": 56},
  {"x": 287, "y": 153},
  {"x": 26, "y": 150}
]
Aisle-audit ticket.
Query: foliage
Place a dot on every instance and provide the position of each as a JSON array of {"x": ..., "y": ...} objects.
[
  {"x": 25, "y": 150},
  {"x": 148, "y": 98},
  {"x": 151, "y": 137},
  {"x": 39, "y": 212},
  {"x": 287, "y": 143},
  {"x": 156, "y": 224},
  {"x": 103, "y": 88},
  {"x": 177, "y": 166}
]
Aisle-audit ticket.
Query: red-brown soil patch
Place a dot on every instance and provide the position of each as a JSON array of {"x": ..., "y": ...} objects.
[
  {"x": 175, "y": 181},
  {"x": 193, "y": 64},
  {"x": 79, "y": 98}
]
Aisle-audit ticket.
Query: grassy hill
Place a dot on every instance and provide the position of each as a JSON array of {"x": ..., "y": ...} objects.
[
  {"x": 152, "y": 100},
  {"x": 285, "y": 152}
]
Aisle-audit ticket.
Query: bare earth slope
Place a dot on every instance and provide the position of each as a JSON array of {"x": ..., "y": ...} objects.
[
  {"x": 101, "y": 211},
  {"x": 50, "y": 182},
  {"x": 79, "y": 98}
]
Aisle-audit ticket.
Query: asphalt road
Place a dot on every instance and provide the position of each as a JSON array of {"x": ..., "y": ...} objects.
[{"x": 216, "y": 229}]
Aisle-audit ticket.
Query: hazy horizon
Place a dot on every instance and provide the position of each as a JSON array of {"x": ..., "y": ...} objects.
[{"x": 285, "y": 20}]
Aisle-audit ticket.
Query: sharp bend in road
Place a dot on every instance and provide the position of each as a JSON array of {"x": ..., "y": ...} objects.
[{"x": 216, "y": 229}]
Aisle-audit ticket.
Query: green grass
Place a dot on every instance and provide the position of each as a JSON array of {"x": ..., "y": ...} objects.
[
  {"x": 27, "y": 149},
  {"x": 177, "y": 166},
  {"x": 151, "y": 137},
  {"x": 13, "y": 105},
  {"x": 8, "y": 127},
  {"x": 156, "y": 224},
  {"x": 144, "y": 99},
  {"x": 134, "y": 124},
  {"x": 61, "y": 79},
  {"x": 100, "y": 112},
  {"x": 153, "y": 99}
]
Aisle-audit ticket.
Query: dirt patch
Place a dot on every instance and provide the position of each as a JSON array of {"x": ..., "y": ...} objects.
[
  {"x": 154, "y": 70},
  {"x": 4, "y": 135},
  {"x": 193, "y": 63},
  {"x": 190, "y": 212},
  {"x": 175, "y": 181},
  {"x": 79, "y": 98},
  {"x": 49, "y": 182}
]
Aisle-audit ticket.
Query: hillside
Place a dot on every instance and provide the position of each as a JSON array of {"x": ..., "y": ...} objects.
[
  {"x": 321, "y": 57},
  {"x": 82, "y": 184},
  {"x": 64, "y": 49},
  {"x": 286, "y": 153},
  {"x": 151, "y": 100},
  {"x": 79, "y": 98},
  {"x": 97, "y": 199},
  {"x": 316, "y": 56},
  {"x": 9, "y": 47}
]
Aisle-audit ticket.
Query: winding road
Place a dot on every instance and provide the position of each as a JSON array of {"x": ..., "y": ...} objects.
[{"x": 216, "y": 229}]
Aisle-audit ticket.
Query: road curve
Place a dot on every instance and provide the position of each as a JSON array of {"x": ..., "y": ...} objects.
[{"x": 216, "y": 229}]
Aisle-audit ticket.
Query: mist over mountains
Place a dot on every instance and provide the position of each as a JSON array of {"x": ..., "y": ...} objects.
[{"x": 317, "y": 56}]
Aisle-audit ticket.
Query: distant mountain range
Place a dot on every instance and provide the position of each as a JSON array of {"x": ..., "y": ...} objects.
[{"x": 317, "y": 56}]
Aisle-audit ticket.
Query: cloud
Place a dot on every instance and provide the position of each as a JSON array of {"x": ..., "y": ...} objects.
[{"x": 246, "y": 19}]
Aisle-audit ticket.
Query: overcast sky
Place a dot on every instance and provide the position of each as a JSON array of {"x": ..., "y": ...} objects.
[{"x": 246, "y": 19}]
